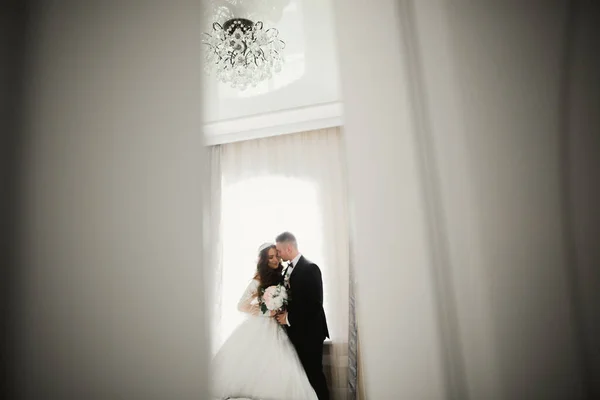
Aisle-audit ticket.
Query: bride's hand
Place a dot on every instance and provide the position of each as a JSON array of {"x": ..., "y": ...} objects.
[{"x": 274, "y": 313}]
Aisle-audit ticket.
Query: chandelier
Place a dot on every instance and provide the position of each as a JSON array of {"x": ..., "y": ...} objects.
[{"x": 242, "y": 53}]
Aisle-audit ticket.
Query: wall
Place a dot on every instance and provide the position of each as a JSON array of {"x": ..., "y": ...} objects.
[
  {"x": 581, "y": 148},
  {"x": 110, "y": 289}
]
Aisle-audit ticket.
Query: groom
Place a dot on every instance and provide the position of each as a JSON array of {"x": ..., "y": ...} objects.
[{"x": 305, "y": 317}]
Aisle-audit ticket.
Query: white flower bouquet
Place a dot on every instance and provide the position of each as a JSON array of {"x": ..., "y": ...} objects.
[{"x": 274, "y": 298}]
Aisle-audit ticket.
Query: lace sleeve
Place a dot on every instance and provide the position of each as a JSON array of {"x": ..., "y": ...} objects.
[{"x": 248, "y": 302}]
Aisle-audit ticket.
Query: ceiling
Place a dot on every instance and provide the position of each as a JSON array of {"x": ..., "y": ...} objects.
[{"x": 304, "y": 95}]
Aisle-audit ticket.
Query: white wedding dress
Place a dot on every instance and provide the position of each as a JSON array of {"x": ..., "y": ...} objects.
[{"x": 258, "y": 361}]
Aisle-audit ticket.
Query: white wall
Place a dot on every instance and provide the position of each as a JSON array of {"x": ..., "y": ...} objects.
[{"x": 111, "y": 297}]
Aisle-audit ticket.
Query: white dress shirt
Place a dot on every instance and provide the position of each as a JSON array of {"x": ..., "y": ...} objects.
[{"x": 294, "y": 262}]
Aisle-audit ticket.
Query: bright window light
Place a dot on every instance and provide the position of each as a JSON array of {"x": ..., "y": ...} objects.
[{"x": 255, "y": 211}]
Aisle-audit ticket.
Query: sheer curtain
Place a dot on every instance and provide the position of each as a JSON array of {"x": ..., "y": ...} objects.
[
  {"x": 214, "y": 241},
  {"x": 293, "y": 182}
]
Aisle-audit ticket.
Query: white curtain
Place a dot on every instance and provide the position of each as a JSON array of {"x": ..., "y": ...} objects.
[
  {"x": 213, "y": 244},
  {"x": 290, "y": 183}
]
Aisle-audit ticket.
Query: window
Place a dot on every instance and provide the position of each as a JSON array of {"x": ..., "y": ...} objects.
[{"x": 254, "y": 211}]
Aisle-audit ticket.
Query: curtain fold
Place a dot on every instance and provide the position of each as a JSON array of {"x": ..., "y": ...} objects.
[
  {"x": 214, "y": 244},
  {"x": 309, "y": 167},
  {"x": 353, "y": 372}
]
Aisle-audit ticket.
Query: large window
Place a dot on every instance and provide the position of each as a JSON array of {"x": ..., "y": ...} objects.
[
  {"x": 260, "y": 188},
  {"x": 254, "y": 211}
]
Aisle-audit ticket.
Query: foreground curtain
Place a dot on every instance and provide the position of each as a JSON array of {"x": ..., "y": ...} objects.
[
  {"x": 293, "y": 182},
  {"x": 354, "y": 383}
]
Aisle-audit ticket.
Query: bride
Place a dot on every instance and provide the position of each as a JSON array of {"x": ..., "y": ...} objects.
[{"x": 258, "y": 360}]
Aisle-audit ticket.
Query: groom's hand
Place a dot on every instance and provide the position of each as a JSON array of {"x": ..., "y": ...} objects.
[{"x": 282, "y": 318}]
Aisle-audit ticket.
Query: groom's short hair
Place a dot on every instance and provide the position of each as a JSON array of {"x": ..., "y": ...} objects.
[{"x": 287, "y": 237}]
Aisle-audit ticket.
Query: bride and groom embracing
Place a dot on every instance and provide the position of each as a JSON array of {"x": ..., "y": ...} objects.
[{"x": 277, "y": 353}]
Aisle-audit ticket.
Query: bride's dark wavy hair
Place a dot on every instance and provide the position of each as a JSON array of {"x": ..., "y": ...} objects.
[{"x": 265, "y": 274}]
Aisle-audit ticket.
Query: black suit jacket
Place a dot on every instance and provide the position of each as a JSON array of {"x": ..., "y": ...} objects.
[{"x": 305, "y": 310}]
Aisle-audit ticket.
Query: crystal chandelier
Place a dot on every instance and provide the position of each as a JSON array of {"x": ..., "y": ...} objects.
[{"x": 240, "y": 52}]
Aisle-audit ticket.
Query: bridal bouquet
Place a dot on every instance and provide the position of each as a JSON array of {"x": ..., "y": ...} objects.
[{"x": 274, "y": 298}]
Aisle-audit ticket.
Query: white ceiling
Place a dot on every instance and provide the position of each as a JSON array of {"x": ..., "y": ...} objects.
[{"x": 304, "y": 95}]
